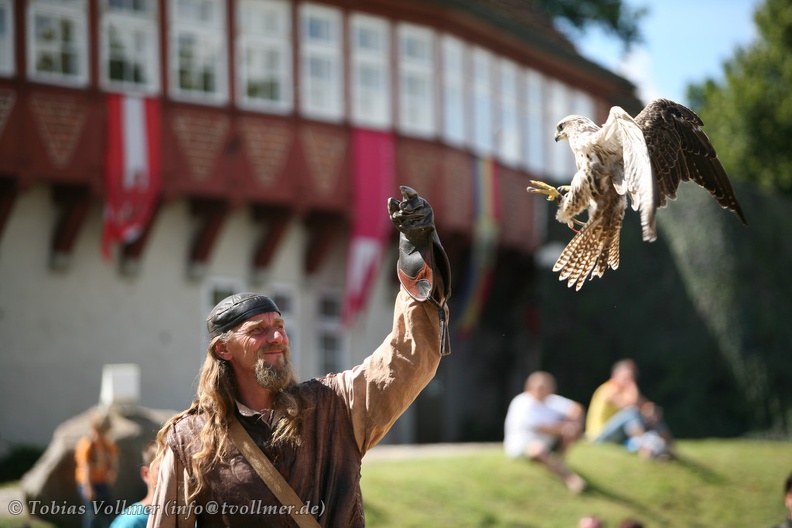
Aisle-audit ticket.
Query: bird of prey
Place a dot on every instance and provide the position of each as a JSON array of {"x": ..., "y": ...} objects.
[{"x": 644, "y": 159}]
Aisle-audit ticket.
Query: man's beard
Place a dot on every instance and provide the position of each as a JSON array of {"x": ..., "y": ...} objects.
[{"x": 278, "y": 376}]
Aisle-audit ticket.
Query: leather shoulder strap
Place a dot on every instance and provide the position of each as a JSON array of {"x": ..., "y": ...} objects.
[{"x": 270, "y": 475}]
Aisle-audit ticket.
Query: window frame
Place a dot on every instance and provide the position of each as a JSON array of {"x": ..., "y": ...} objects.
[
  {"x": 382, "y": 115},
  {"x": 330, "y": 326},
  {"x": 509, "y": 131},
  {"x": 332, "y": 53},
  {"x": 218, "y": 38},
  {"x": 8, "y": 59},
  {"x": 215, "y": 289},
  {"x": 455, "y": 117},
  {"x": 290, "y": 312},
  {"x": 582, "y": 103},
  {"x": 280, "y": 44},
  {"x": 560, "y": 160},
  {"x": 534, "y": 140},
  {"x": 482, "y": 101},
  {"x": 413, "y": 68},
  {"x": 77, "y": 12},
  {"x": 146, "y": 23}
]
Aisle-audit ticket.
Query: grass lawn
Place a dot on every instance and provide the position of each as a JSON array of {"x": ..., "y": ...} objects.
[
  {"x": 734, "y": 483},
  {"x": 730, "y": 483}
]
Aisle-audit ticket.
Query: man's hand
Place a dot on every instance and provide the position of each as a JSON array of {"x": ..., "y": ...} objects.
[
  {"x": 413, "y": 216},
  {"x": 423, "y": 267}
]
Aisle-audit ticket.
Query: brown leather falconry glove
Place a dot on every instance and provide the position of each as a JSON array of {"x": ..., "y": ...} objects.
[{"x": 423, "y": 268}]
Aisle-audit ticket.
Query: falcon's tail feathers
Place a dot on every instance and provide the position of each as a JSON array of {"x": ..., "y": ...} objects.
[{"x": 590, "y": 252}]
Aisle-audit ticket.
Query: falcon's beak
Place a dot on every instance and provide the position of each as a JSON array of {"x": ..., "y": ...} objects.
[{"x": 558, "y": 137}]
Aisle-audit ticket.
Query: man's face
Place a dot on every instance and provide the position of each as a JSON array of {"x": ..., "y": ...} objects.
[
  {"x": 260, "y": 348},
  {"x": 542, "y": 389},
  {"x": 624, "y": 376}
]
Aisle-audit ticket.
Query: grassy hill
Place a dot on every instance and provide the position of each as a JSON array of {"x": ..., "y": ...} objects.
[{"x": 732, "y": 483}]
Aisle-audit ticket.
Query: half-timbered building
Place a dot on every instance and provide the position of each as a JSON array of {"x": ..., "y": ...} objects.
[{"x": 156, "y": 155}]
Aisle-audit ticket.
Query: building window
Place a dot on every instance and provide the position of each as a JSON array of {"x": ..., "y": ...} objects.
[
  {"x": 509, "y": 139},
  {"x": 582, "y": 104},
  {"x": 330, "y": 333},
  {"x": 561, "y": 164},
  {"x": 535, "y": 137},
  {"x": 7, "y": 67},
  {"x": 579, "y": 103},
  {"x": 264, "y": 55},
  {"x": 370, "y": 71},
  {"x": 198, "y": 49},
  {"x": 215, "y": 290},
  {"x": 58, "y": 41},
  {"x": 416, "y": 80},
  {"x": 483, "y": 140},
  {"x": 130, "y": 45},
  {"x": 285, "y": 297},
  {"x": 454, "y": 118},
  {"x": 321, "y": 81}
]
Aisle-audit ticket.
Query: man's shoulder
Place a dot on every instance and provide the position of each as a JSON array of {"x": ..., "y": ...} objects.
[
  {"x": 603, "y": 389},
  {"x": 187, "y": 424},
  {"x": 560, "y": 403},
  {"x": 323, "y": 387},
  {"x": 557, "y": 398},
  {"x": 521, "y": 401}
]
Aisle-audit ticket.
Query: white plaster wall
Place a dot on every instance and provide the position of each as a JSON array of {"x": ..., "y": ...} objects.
[{"x": 58, "y": 328}]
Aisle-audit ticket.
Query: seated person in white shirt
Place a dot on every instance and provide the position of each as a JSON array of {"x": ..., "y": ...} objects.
[{"x": 541, "y": 425}]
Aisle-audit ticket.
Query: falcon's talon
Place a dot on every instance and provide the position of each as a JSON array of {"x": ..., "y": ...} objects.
[{"x": 552, "y": 193}]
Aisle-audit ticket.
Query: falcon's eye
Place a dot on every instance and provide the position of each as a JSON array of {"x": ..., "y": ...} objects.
[{"x": 560, "y": 127}]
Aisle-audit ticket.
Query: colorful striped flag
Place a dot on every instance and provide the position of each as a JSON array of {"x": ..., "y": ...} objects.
[
  {"x": 132, "y": 168},
  {"x": 486, "y": 232}
]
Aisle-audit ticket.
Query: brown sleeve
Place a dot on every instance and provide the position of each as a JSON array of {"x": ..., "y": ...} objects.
[
  {"x": 380, "y": 389},
  {"x": 169, "y": 506}
]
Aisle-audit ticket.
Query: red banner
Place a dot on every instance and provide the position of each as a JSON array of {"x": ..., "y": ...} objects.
[
  {"x": 132, "y": 168},
  {"x": 374, "y": 176}
]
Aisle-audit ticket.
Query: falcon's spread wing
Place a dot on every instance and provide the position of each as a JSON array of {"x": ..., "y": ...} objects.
[{"x": 681, "y": 151}]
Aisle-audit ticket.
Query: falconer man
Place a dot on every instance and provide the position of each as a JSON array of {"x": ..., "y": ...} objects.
[{"x": 314, "y": 433}]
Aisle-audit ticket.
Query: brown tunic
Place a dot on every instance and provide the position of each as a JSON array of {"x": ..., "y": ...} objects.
[{"x": 351, "y": 412}]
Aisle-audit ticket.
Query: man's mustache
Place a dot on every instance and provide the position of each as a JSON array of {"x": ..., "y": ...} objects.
[{"x": 274, "y": 348}]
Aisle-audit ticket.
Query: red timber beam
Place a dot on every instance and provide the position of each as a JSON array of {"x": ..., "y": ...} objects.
[
  {"x": 211, "y": 215},
  {"x": 324, "y": 229},
  {"x": 8, "y": 195},
  {"x": 132, "y": 253},
  {"x": 73, "y": 202},
  {"x": 274, "y": 219}
]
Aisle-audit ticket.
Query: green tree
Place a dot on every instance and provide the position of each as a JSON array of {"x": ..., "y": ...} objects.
[
  {"x": 614, "y": 16},
  {"x": 749, "y": 114}
]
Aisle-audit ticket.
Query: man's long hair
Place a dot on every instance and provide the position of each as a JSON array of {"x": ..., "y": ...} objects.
[{"x": 216, "y": 401}]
